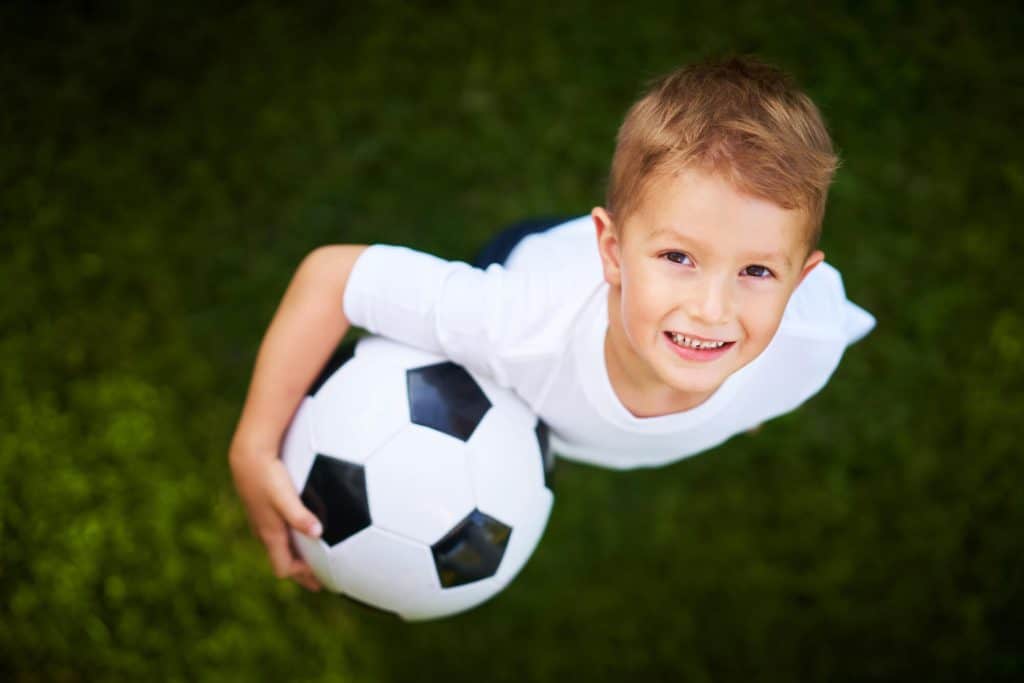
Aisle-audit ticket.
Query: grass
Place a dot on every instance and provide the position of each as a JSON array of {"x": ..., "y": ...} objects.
[{"x": 165, "y": 168}]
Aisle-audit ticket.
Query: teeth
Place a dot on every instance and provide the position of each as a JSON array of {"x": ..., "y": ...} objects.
[{"x": 695, "y": 344}]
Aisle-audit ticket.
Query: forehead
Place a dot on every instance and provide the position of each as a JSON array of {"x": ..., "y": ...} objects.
[{"x": 706, "y": 208}]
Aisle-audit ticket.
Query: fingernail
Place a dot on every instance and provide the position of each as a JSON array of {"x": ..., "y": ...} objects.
[{"x": 315, "y": 529}]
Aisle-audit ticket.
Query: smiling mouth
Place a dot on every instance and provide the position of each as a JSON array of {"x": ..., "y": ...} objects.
[{"x": 697, "y": 344}]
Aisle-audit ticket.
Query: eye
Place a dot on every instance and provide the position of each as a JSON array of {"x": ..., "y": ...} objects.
[
  {"x": 759, "y": 272},
  {"x": 676, "y": 257}
]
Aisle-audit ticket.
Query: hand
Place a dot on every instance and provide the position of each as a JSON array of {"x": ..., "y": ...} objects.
[
  {"x": 308, "y": 318},
  {"x": 273, "y": 505}
]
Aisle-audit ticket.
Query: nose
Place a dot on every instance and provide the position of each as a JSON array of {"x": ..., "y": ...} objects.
[{"x": 710, "y": 301}]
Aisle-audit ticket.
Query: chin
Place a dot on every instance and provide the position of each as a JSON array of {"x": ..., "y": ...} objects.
[{"x": 704, "y": 385}]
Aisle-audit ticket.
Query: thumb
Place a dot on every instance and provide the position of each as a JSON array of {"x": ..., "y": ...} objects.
[{"x": 290, "y": 506}]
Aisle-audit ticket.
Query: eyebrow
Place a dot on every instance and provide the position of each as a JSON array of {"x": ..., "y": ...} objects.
[{"x": 776, "y": 256}]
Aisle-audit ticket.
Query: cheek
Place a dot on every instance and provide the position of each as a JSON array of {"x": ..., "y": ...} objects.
[
  {"x": 641, "y": 312},
  {"x": 646, "y": 300},
  {"x": 760, "y": 319}
]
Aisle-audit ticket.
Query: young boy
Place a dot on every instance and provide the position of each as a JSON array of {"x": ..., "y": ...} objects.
[{"x": 702, "y": 308}]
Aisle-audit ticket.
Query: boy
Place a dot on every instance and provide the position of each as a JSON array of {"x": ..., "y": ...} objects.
[{"x": 701, "y": 309}]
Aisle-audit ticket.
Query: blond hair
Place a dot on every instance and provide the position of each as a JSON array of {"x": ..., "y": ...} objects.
[{"x": 737, "y": 117}]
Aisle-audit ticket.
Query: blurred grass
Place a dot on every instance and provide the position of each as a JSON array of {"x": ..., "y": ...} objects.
[{"x": 164, "y": 168}]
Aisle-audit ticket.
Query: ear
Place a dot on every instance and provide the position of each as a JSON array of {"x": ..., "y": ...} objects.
[
  {"x": 813, "y": 259},
  {"x": 608, "y": 246}
]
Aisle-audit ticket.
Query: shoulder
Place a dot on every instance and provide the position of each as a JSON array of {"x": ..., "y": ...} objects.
[
  {"x": 541, "y": 300},
  {"x": 545, "y": 282},
  {"x": 819, "y": 308},
  {"x": 481, "y": 318},
  {"x": 570, "y": 245},
  {"x": 818, "y": 325}
]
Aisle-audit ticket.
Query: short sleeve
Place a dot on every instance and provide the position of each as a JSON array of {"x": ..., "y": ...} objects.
[
  {"x": 478, "y": 318},
  {"x": 819, "y": 308},
  {"x": 818, "y": 325}
]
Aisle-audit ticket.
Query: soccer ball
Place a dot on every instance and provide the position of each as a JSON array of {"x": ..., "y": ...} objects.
[{"x": 431, "y": 482}]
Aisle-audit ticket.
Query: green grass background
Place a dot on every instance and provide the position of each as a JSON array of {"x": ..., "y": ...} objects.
[{"x": 163, "y": 169}]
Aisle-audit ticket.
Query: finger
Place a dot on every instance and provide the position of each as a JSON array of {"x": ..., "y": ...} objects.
[
  {"x": 288, "y": 503},
  {"x": 282, "y": 557},
  {"x": 301, "y": 571},
  {"x": 311, "y": 587},
  {"x": 307, "y": 579}
]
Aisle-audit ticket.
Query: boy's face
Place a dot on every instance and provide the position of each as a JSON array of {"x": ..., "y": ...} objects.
[{"x": 699, "y": 277}]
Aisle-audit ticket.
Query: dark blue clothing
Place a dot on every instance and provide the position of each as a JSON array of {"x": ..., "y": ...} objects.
[{"x": 498, "y": 249}]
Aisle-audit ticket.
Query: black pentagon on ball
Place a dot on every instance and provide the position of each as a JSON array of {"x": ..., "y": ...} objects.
[
  {"x": 472, "y": 550},
  {"x": 335, "y": 491},
  {"x": 445, "y": 397}
]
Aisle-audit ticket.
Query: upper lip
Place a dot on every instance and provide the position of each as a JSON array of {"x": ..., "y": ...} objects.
[{"x": 697, "y": 337}]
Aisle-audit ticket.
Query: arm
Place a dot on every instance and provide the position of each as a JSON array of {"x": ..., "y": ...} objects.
[{"x": 304, "y": 331}]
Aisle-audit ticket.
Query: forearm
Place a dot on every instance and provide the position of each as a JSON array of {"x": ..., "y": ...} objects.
[{"x": 304, "y": 331}]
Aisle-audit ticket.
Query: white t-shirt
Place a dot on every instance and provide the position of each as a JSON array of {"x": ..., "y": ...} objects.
[{"x": 537, "y": 325}]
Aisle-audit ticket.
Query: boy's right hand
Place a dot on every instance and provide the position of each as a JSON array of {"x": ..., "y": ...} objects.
[
  {"x": 309, "y": 318},
  {"x": 273, "y": 505}
]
